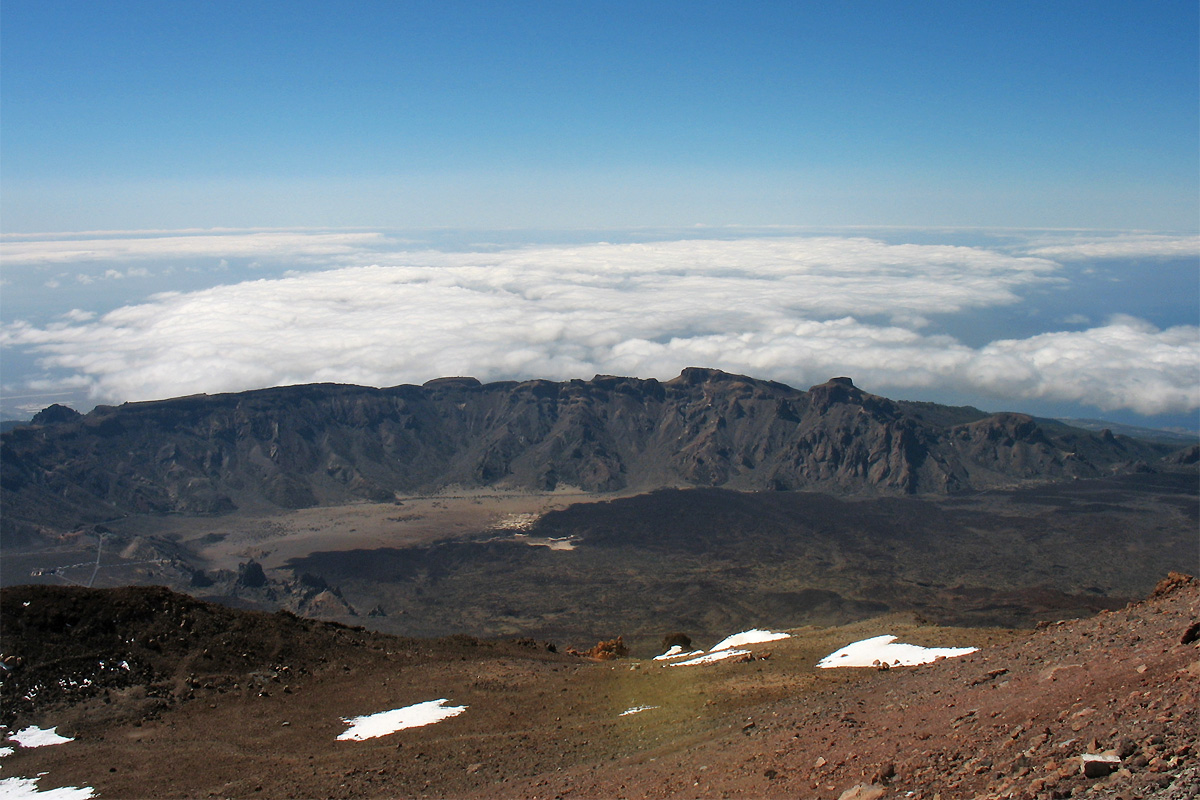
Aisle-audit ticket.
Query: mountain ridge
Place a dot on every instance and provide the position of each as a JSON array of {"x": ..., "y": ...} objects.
[{"x": 322, "y": 444}]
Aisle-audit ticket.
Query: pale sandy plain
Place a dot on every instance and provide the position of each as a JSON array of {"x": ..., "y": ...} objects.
[{"x": 223, "y": 542}]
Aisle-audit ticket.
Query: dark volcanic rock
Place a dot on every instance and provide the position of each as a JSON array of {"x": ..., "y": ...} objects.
[
  {"x": 1188, "y": 455},
  {"x": 54, "y": 414},
  {"x": 250, "y": 575},
  {"x": 301, "y": 446},
  {"x": 850, "y": 439}
]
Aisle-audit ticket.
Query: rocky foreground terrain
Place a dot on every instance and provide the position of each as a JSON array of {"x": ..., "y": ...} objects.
[{"x": 166, "y": 696}]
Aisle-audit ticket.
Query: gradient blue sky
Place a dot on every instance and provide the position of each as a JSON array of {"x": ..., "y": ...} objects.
[
  {"x": 530, "y": 114},
  {"x": 967, "y": 202}
]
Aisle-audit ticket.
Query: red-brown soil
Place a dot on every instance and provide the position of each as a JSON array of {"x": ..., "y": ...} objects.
[{"x": 219, "y": 703}]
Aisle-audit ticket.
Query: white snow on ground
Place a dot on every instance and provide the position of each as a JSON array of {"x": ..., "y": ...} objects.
[
  {"x": 34, "y": 736},
  {"x": 708, "y": 658},
  {"x": 635, "y": 710},
  {"x": 17, "y": 788},
  {"x": 753, "y": 636},
  {"x": 677, "y": 652},
  {"x": 723, "y": 649},
  {"x": 885, "y": 650},
  {"x": 371, "y": 726},
  {"x": 26, "y": 789}
]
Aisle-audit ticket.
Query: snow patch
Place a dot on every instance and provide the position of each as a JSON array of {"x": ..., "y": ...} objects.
[
  {"x": 880, "y": 650},
  {"x": 722, "y": 650},
  {"x": 753, "y": 636},
  {"x": 371, "y": 726},
  {"x": 709, "y": 658},
  {"x": 635, "y": 710},
  {"x": 6, "y": 751},
  {"x": 26, "y": 789},
  {"x": 34, "y": 736},
  {"x": 677, "y": 652}
]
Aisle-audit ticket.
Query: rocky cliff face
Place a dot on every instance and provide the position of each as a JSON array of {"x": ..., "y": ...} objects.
[{"x": 306, "y": 445}]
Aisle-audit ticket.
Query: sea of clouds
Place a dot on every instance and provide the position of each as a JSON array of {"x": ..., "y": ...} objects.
[{"x": 360, "y": 308}]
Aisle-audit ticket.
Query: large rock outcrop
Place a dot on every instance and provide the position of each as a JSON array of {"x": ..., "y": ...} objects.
[{"x": 300, "y": 446}]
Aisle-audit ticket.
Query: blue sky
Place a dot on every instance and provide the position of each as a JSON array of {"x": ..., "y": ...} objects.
[
  {"x": 995, "y": 204},
  {"x": 453, "y": 114}
]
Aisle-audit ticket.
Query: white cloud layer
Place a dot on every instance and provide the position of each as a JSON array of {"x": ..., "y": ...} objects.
[
  {"x": 792, "y": 309},
  {"x": 1146, "y": 245},
  {"x": 25, "y": 251}
]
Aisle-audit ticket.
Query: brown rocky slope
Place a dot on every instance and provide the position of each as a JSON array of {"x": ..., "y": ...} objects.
[{"x": 232, "y": 704}]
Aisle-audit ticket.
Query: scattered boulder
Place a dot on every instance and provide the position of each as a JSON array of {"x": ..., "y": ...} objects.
[
  {"x": 863, "y": 791},
  {"x": 1099, "y": 766},
  {"x": 604, "y": 651},
  {"x": 310, "y": 581},
  {"x": 325, "y": 603},
  {"x": 198, "y": 579},
  {"x": 534, "y": 644},
  {"x": 1125, "y": 747},
  {"x": 672, "y": 639},
  {"x": 251, "y": 575},
  {"x": 1173, "y": 581}
]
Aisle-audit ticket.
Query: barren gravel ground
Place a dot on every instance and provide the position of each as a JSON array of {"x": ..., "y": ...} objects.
[
  {"x": 1007, "y": 722},
  {"x": 218, "y": 703}
]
